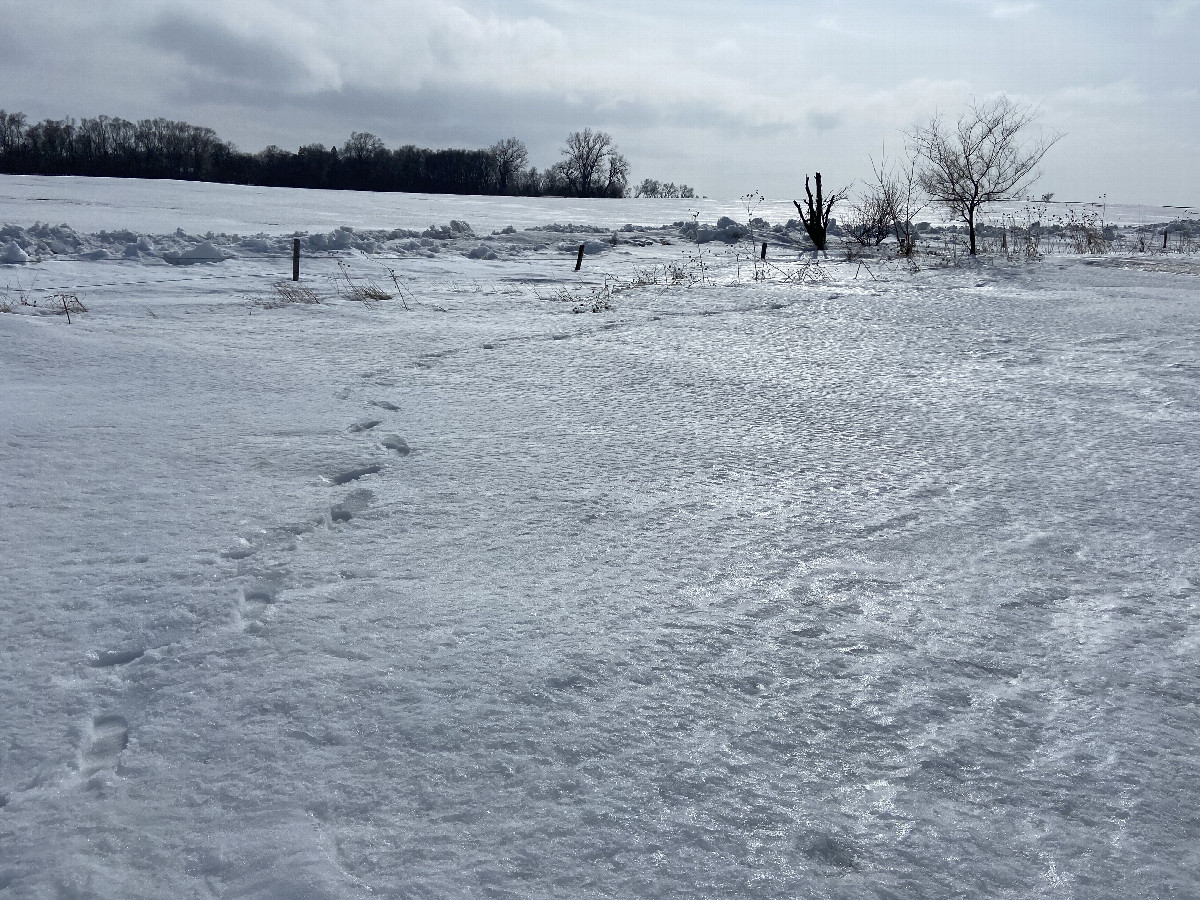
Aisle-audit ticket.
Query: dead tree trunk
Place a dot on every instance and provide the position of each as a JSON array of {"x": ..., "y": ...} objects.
[{"x": 816, "y": 216}]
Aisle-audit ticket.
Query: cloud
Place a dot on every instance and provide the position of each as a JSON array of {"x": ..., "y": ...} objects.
[
  {"x": 1118, "y": 93},
  {"x": 679, "y": 84},
  {"x": 12, "y": 48},
  {"x": 823, "y": 121},
  {"x": 1174, "y": 9},
  {"x": 217, "y": 51},
  {"x": 1012, "y": 10}
]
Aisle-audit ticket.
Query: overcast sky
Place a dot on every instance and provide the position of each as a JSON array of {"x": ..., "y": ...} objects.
[{"x": 729, "y": 97}]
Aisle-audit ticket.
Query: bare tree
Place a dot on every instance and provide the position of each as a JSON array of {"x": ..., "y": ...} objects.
[
  {"x": 617, "y": 184},
  {"x": 511, "y": 158},
  {"x": 362, "y": 145},
  {"x": 12, "y": 131},
  {"x": 816, "y": 216},
  {"x": 652, "y": 187},
  {"x": 585, "y": 169},
  {"x": 897, "y": 198},
  {"x": 870, "y": 218},
  {"x": 981, "y": 159}
]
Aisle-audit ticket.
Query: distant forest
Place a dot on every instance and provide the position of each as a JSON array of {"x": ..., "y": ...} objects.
[{"x": 160, "y": 148}]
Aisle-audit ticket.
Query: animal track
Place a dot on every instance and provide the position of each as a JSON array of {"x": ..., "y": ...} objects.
[
  {"x": 386, "y": 404},
  {"x": 355, "y": 474},
  {"x": 103, "y": 659},
  {"x": 354, "y": 503},
  {"x": 255, "y": 600},
  {"x": 106, "y": 738},
  {"x": 365, "y": 425},
  {"x": 397, "y": 443},
  {"x": 894, "y": 522}
]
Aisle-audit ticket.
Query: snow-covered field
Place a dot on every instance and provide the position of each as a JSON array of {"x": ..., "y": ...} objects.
[{"x": 854, "y": 581}]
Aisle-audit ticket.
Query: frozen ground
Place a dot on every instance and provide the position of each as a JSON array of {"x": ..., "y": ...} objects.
[{"x": 860, "y": 584}]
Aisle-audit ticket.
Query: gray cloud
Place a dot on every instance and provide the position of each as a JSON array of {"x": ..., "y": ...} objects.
[
  {"x": 823, "y": 121},
  {"x": 211, "y": 48},
  {"x": 12, "y": 49},
  {"x": 727, "y": 97}
]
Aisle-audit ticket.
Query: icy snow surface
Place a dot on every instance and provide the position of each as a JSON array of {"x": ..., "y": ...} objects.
[{"x": 868, "y": 584}]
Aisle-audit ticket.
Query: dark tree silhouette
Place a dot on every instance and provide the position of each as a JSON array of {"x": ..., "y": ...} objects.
[
  {"x": 593, "y": 166},
  {"x": 161, "y": 148},
  {"x": 815, "y": 215},
  {"x": 511, "y": 157}
]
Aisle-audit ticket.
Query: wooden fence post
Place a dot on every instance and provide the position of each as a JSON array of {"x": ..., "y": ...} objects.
[
  {"x": 763, "y": 255},
  {"x": 1164, "y": 239},
  {"x": 295, "y": 259},
  {"x": 579, "y": 258}
]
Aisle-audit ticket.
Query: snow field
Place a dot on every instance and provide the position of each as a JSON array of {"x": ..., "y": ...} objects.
[{"x": 875, "y": 585}]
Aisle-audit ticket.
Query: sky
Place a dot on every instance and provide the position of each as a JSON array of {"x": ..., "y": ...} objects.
[{"x": 729, "y": 97}]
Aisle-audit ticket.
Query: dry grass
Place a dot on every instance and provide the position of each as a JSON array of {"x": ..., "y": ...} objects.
[
  {"x": 359, "y": 289},
  {"x": 60, "y": 304},
  {"x": 287, "y": 292}
]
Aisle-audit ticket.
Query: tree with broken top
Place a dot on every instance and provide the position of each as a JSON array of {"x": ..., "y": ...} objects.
[{"x": 816, "y": 216}]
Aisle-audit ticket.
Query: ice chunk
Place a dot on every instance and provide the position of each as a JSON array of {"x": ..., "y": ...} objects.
[
  {"x": 456, "y": 229},
  {"x": 13, "y": 255},
  {"x": 589, "y": 247}
]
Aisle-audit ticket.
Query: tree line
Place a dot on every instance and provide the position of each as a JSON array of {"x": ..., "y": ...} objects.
[{"x": 592, "y": 165}]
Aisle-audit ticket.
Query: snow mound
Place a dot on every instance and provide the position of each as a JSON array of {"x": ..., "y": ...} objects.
[
  {"x": 569, "y": 228},
  {"x": 205, "y": 252},
  {"x": 591, "y": 248},
  {"x": 455, "y": 229},
  {"x": 726, "y": 231},
  {"x": 13, "y": 255},
  {"x": 481, "y": 252}
]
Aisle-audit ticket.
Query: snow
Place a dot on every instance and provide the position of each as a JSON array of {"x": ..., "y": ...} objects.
[
  {"x": 203, "y": 252},
  {"x": 13, "y": 254},
  {"x": 854, "y": 581}
]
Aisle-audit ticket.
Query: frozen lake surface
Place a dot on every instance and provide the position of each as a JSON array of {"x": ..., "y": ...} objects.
[{"x": 866, "y": 583}]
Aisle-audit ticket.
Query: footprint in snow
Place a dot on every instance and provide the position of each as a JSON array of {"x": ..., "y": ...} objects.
[
  {"x": 397, "y": 443},
  {"x": 354, "y": 503},
  {"x": 386, "y": 404},
  {"x": 365, "y": 425},
  {"x": 355, "y": 474},
  {"x": 244, "y": 550},
  {"x": 103, "y": 659},
  {"x": 277, "y": 539},
  {"x": 254, "y": 603},
  {"x": 103, "y": 742}
]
